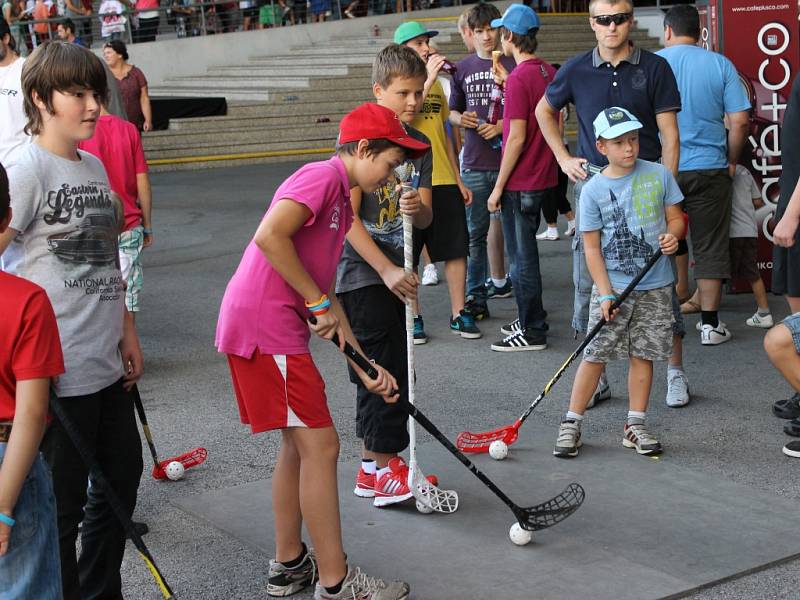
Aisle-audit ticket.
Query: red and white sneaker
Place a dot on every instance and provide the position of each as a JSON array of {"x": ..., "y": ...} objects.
[
  {"x": 365, "y": 484},
  {"x": 392, "y": 486}
]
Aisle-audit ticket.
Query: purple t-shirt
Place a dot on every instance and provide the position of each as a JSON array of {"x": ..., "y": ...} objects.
[
  {"x": 259, "y": 309},
  {"x": 471, "y": 89},
  {"x": 536, "y": 168}
]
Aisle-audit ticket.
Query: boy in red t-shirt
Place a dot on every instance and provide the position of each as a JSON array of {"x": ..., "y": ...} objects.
[
  {"x": 528, "y": 176},
  {"x": 30, "y": 354},
  {"x": 118, "y": 145}
]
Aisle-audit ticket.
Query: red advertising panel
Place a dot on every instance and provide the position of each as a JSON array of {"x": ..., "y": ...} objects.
[{"x": 761, "y": 38}]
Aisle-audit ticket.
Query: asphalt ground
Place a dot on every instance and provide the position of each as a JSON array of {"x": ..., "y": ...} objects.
[{"x": 203, "y": 220}]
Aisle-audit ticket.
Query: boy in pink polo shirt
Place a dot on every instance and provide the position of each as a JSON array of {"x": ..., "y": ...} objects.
[
  {"x": 118, "y": 145},
  {"x": 286, "y": 275}
]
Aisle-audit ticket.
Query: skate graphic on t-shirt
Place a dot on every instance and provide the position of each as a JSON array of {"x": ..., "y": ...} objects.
[
  {"x": 93, "y": 242},
  {"x": 624, "y": 248}
]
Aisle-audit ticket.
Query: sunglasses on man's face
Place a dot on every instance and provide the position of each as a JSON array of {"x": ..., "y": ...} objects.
[{"x": 616, "y": 19}]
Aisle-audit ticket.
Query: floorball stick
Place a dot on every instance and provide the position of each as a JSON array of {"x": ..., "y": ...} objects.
[
  {"x": 187, "y": 459},
  {"x": 480, "y": 442},
  {"x": 531, "y": 518},
  {"x": 429, "y": 497},
  {"x": 111, "y": 496}
]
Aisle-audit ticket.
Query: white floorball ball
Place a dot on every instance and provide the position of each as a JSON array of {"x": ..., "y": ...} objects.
[
  {"x": 520, "y": 536},
  {"x": 175, "y": 470},
  {"x": 498, "y": 450},
  {"x": 424, "y": 508}
]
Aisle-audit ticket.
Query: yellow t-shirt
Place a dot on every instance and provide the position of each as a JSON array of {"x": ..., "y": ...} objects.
[{"x": 430, "y": 121}]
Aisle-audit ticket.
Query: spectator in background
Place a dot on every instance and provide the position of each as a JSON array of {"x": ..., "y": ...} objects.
[
  {"x": 465, "y": 31},
  {"x": 132, "y": 85},
  {"x": 319, "y": 10},
  {"x": 710, "y": 91},
  {"x": 249, "y": 14},
  {"x": 78, "y": 13},
  {"x": 112, "y": 19},
  {"x": 185, "y": 18},
  {"x": 66, "y": 32},
  {"x": 12, "y": 13},
  {"x": 148, "y": 15}
]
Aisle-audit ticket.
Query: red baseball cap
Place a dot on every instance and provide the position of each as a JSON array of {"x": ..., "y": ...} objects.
[{"x": 371, "y": 121}]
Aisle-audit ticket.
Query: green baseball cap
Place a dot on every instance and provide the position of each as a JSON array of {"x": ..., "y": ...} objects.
[{"x": 410, "y": 30}]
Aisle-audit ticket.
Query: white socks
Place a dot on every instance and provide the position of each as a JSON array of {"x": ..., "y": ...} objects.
[
  {"x": 573, "y": 416},
  {"x": 368, "y": 466}
]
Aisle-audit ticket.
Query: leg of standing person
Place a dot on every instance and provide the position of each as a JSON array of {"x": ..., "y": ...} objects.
[
  {"x": 119, "y": 457},
  {"x": 521, "y": 212},
  {"x": 550, "y": 214},
  {"x": 481, "y": 183}
]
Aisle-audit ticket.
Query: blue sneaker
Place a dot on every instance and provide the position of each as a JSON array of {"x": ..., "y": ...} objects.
[
  {"x": 419, "y": 331},
  {"x": 492, "y": 291},
  {"x": 464, "y": 325}
]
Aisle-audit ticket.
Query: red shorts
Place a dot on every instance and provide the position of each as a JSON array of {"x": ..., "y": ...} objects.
[{"x": 279, "y": 391}]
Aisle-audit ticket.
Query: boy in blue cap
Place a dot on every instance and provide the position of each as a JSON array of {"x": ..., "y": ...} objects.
[
  {"x": 627, "y": 212},
  {"x": 528, "y": 174}
]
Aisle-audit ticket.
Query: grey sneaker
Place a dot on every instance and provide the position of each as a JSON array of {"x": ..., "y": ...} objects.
[
  {"x": 637, "y": 436},
  {"x": 569, "y": 439},
  {"x": 358, "y": 586},
  {"x": 602, "y": 393},
  {"x": 677, "y": 388},
  {"x": 284, "y": 581}
]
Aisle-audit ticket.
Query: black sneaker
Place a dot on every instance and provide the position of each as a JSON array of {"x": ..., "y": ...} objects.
[
  {"x": 505, "y": 291},
  {"x": 788, "y": 408},
  {"x": 511, "y": 328},
  {"x": 464, "y": 325},
  {"x": 792, "y": 449},
  {"x": 478, "y": 310},
  {"x": 792, "y": 428},
  {"x": 520, "y": 341}
]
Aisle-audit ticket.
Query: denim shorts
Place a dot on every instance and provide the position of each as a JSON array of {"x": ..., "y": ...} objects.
[
  {"x": 793, "y": 323},
  {"x": 31, "y": 568}
]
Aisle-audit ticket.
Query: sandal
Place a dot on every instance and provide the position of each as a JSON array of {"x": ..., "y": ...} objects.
[
  {"x": 789, "y": 408},
  {"x": 690, "y": 307}
]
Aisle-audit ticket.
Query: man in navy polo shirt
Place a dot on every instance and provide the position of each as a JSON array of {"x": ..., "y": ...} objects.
[
  {"x": 615, "y": 73},
  {"x": 710, "y": 90}
]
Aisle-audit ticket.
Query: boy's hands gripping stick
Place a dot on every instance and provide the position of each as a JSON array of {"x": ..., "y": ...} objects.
[{"x": 375, "y": 378}]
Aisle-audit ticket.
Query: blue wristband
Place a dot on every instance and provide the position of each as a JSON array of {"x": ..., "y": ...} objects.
[
  {"x": 7, "y": 520},
  {"x": 602, "y": 299}
]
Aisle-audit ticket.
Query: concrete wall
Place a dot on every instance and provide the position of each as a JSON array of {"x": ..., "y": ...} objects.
[{"x": 192, "y": 56}]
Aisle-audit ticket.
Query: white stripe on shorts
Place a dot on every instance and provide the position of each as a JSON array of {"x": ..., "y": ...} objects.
[{"x": 292, "y": 420}]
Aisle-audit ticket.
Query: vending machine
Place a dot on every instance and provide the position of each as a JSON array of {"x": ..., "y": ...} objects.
[{"x": 760, "y": 37}]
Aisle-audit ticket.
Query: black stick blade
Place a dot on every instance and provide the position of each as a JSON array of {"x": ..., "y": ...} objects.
[{"x": 552, "y": 511}]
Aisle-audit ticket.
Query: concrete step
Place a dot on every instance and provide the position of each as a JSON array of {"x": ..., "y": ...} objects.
[
  {"x": 285, "y": 97},
  {"x": 279, "y": 121},
  {"x": 200, "y": 140},
  {"x": 275, "y": 109},
  {"x": 197, "y": 165},
  {"x": 282, "y": 71},
  {"x": 233, "y": 150},
  {"x": 241, "y": 81}
]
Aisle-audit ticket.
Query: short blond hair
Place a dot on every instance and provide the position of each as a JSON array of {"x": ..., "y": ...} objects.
[{"x": 594, "y": 3}]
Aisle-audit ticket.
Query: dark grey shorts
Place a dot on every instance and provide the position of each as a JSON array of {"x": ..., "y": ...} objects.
[
  {"x": 641, "y": 329},
  {"x": 707, "y": 198}
]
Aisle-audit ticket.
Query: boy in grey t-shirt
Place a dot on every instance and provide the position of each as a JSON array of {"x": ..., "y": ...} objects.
[{"x": 64, "y": 230}]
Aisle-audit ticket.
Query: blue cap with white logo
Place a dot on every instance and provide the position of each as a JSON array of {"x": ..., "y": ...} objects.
[
  {"x": 614, "y": 122},
  {"x": 519, "y": 19}
]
